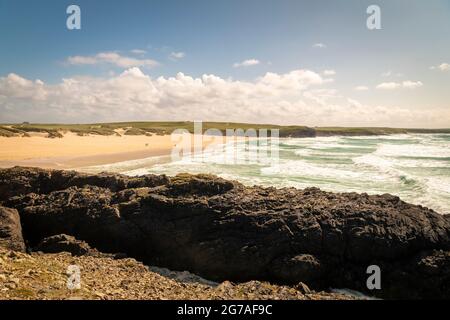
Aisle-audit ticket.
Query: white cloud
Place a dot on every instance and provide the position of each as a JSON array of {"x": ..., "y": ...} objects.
[
  {"x": 77, "y": 60},
  {"x": 138, "y": 51},
  {"x": 175, "y": 56},
  {"x": 322, "y": 96},
  {"x": 408, "y": 84},
  {"x": 296, "y": 97},
  {"x": 389, "y": 85},
  {"x": 361, "y": 88},
  {"x": 319, "y": 45},
  {"x": 329, "y": 72},
  {"x": 15, "y": 86},
  {"x": 391, "y": 74},
  {"x": 412, "y": 84},
  {"x": 442, "y": 67},
  {"x": 111, "y": 58},
  {"x": 246, "y": 63},
  {"x": 133, "y": 94}
]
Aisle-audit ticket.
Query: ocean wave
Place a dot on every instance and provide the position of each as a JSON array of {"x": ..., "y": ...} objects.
[
  {"x": 125, "y": 166},
  {"x": 303, "y": 168},
  {"x": 414, "y": 167},
  {"x": 414, "y": 151}
]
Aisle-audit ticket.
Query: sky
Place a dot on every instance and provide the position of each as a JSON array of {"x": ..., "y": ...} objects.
[{"x": 312, "y": 63}]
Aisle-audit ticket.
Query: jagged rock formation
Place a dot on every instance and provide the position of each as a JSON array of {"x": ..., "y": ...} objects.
[
  {"x": 223, "y": 230},
  {"x": 64, "y": 243}
]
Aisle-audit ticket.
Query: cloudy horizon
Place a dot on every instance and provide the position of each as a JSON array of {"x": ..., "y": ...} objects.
[{"x": 306, "y": 65}]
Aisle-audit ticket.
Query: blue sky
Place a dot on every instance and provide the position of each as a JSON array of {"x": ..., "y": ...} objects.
[{"x": 213, "y": 37}]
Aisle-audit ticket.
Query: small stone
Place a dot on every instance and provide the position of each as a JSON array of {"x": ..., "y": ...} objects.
[
  {"x": 11, "y": 254},
  {"x": 10, "y": 285},
  {"x": 303, "y": 288},
  {"x": 42, "y": 291},
  {"x": 29, "y": 272}
]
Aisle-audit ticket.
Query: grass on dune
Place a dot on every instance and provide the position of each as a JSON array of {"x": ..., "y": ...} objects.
[{"x": 161, "y": 128}]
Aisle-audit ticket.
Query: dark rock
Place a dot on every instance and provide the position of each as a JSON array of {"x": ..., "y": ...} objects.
[
  {"x": 20, "y": 181},
  {"x": 11, "y": 230},
  {"x": 63, "y": 243},
  {"x": 304, "y": 266},
  {"x": 222, "y": 230},
  {"x": 66, "y": 243},
  {"x": 201, "y": 184}
]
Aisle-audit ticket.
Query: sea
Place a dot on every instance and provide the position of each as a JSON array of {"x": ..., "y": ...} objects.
[{"x": 415, "y": 167}]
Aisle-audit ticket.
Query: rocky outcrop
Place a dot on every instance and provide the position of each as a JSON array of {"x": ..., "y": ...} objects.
[
  {"x": 64, "y": 243},
  {"x": 21, "y": 181},
  {"x": 11, "y": 230},
  {"x": 223, "y": 230}
]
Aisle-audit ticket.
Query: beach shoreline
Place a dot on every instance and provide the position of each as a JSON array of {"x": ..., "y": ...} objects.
[
  {"x": 53, "y": 146},
  {"x": 74, "y": 152}
]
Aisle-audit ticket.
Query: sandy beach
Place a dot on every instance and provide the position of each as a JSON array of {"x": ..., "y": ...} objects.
[{"x": 73, "y": 151}]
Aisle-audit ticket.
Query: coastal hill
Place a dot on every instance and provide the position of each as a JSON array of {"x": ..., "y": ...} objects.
[
  {"x": 224, "y": 231},
  {"x": 164, "y": 128}
]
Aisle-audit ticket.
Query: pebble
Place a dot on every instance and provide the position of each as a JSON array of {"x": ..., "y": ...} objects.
[{"x": 10, "y": 285}]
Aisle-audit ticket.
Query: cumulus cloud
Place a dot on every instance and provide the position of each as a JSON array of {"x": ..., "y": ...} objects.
[
  {"x": 17, "y": 87},
  {"x": 296, "y": 97},
  {"x": 112, "y": 58},
  {"x": 408, "y": 84},
  {"x": 321, "y": 96},
  {"x": 361, "y": 88},
  {"x": 246, "y": 63},
  {"x": 442, "y": 67},
  {"x": 175, "y": 56},
  {"x": 319, "y": 45}
]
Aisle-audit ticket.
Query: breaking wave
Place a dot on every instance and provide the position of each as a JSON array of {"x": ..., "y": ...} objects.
[{"x": 414, "y": 167}]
